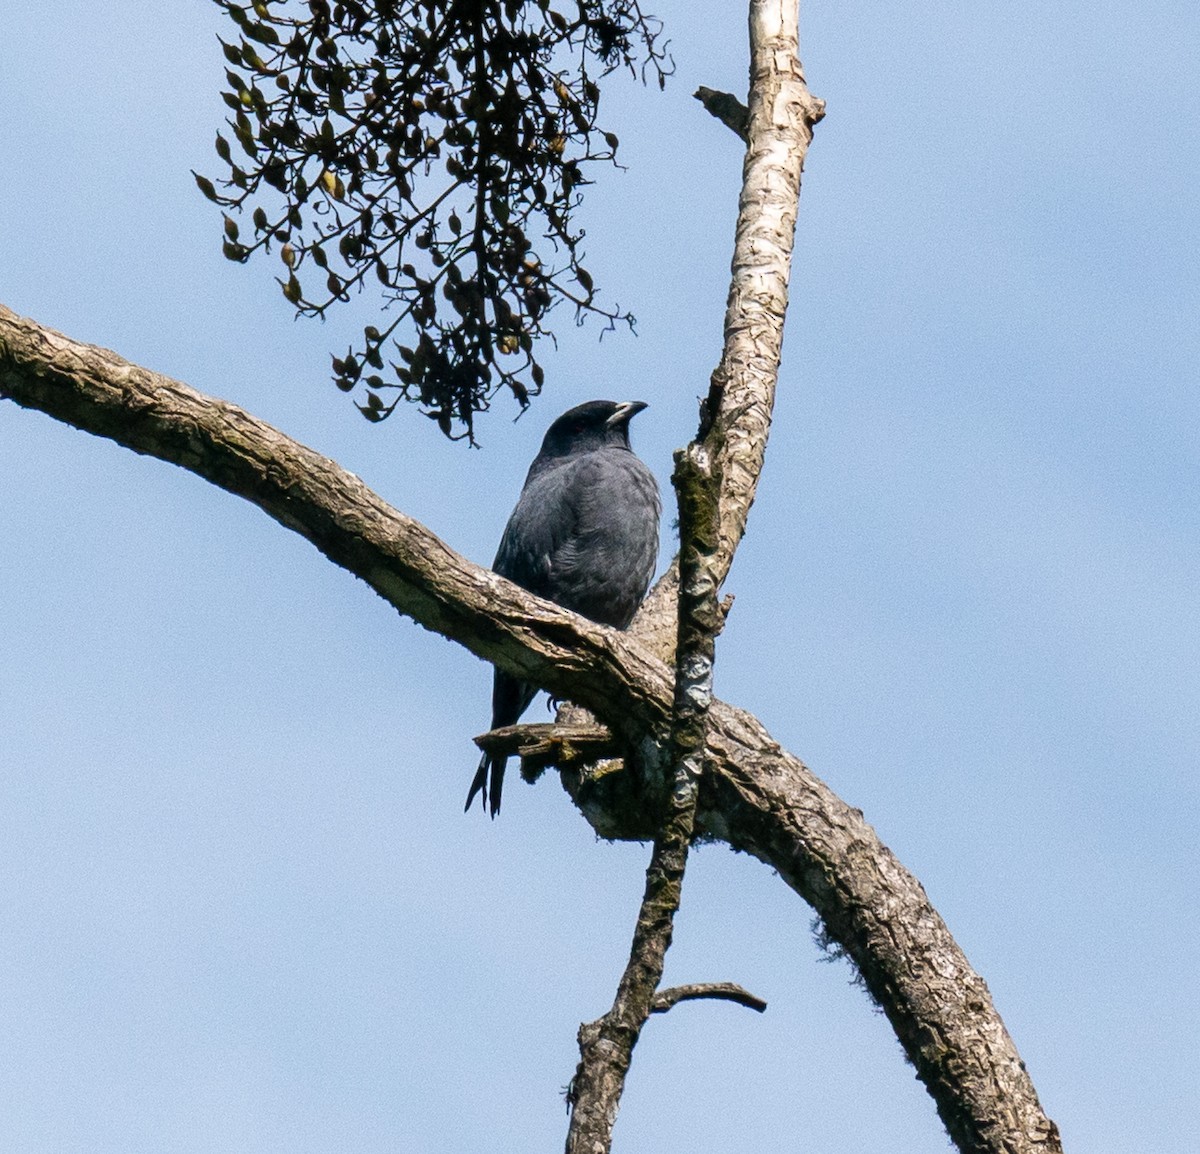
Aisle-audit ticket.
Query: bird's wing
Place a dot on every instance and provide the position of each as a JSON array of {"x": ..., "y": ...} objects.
[
  {"x": 545, "y": 518},
  {"x": 585, "y": 535}
]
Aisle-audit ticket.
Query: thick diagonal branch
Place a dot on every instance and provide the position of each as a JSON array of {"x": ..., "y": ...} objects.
[
  {"x": 756, "y": 796},
  {"x": 96, "y": 390},
  {"x": 767, "y": 802}
]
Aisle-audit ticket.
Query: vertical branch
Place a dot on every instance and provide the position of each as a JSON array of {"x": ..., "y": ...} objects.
[
  {"x": 697, "y": 483},
  {"x": 781, "y": 116},
  {"x": 606, "y": 1045}
]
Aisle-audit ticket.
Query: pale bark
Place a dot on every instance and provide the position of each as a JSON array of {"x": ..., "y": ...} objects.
[
  {"x": 754, "y": 795},
  {"x": 737, "y": 412},
  {"x": 782, "y": 116}
]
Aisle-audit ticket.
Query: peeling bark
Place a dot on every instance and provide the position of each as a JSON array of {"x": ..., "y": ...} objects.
[
  {"x": 783, "y": 114},
  {"x": 753, "y": 795},
  {"x": 736, "y": 417}
]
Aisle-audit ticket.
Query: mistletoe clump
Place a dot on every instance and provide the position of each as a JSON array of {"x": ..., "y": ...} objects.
[{"x": 434, "y": 151}]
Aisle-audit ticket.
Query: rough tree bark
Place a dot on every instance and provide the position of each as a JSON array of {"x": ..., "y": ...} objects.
[
  {"x": 606, "y": 1046},
  {"x": 752, "y": 794}
]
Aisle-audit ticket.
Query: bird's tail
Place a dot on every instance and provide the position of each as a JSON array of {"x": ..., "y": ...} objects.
[{"x": 489, "y": 781}]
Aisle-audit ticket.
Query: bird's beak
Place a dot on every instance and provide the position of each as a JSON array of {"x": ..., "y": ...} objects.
[{"x": 626, "y": 411}]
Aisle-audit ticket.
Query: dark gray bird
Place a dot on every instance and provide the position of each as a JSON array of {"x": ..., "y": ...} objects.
[{"x": 584, "y": 535}]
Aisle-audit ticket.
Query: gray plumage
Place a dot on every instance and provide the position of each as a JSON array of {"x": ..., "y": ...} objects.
[{"x": 584, "y": 535}]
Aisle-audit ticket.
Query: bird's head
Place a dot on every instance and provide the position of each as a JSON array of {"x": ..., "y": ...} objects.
[{"x": 589, "y": 426}]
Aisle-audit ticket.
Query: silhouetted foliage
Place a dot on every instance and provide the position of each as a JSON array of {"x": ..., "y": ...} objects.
[{"x": 435, "y": 150}]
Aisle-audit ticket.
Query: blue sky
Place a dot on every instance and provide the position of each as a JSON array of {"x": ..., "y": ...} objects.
[{"x": 243, "y": 908}]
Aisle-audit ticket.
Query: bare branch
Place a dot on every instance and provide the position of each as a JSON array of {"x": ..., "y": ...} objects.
[
  {"x": 736, "y": 414},
  {"x": 96, "y": 390},
  {"x": 665, "y": 1000},
  {"x": 606, "y": 1046},
  {"x": 782, "y": 115},
  {"x": 767, "y": 802}
]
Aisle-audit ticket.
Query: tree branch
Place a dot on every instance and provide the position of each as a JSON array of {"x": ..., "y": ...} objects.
[
  {"x": 606, "y": 1046},
  {"x": 736, "y": 415},
  {"x": 782, "y": 115},
  {"x": 99, "y": 392},
  {"x": 754, "y": 795},
  {"x": 542, "y": 745},
  {"x": 767, "y": 802},
  {"x": 727, "y": 108},
  {"x": 665, "y": 1000}
]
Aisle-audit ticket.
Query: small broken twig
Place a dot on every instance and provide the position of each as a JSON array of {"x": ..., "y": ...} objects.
[
  {"x": 541, "y": 746},
  {"x": 724, "y": 991},
  {"x": 727, "y": 108}
]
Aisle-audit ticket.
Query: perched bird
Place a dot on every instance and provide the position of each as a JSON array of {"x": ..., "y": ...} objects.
[{"x": 584, "y": 535}]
